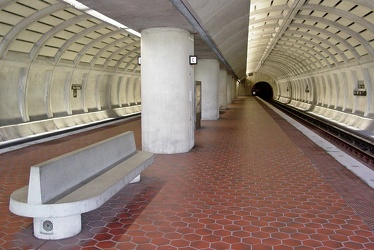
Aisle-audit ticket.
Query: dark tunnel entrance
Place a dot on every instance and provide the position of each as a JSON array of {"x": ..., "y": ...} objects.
[{"x": 263, "y": 90}]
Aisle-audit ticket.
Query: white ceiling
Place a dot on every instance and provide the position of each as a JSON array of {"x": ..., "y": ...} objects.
[
  {"x": 295, "y": 37},
  {"x": 223, "y": 23},
  {"x": 281, "y": 38}
]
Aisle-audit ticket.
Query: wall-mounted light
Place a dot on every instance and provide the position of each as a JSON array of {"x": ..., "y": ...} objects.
[
  {"x": 139, "y": 60},
  {"x": 307, "y": 89},
  {"x": 193, "y": 60}
]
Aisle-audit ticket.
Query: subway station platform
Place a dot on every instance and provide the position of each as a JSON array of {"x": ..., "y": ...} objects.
[{"x": 252, "y": 181}]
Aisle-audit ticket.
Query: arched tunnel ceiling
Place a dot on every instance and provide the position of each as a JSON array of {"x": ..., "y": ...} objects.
[
  {"x": 224, "y": 23},
  {"x": 53, "y": 31},
  {"x": 296, "y": 37},
  {"x": 281, "y": 38}
]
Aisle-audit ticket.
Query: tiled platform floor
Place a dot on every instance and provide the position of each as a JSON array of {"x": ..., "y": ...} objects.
[{"x": 245, "y": 185}]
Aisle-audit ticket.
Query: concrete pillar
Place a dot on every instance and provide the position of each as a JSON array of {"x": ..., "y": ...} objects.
[
  {"x": 229, "y": 90},
  {"x": 233, "y": 89},
  {"x": 167, "y": 84},
  {"x": 228, "y": 81},
  {"x": 222, "y": 89},
  {"x": 207, "y": 72},
  {"x": 237, "y": 89},
  {"x": 233, "y": 92}
]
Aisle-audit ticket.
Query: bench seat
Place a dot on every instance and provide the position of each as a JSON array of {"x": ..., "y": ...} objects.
[
  {"x": 59, "y": 216},
  {"x": 86, "y": 197}
]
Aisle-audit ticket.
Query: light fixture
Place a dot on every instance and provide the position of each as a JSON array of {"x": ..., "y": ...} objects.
[{"x": 100, "y": 16}]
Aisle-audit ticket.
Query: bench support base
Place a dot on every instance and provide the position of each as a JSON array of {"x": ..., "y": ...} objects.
[{"x": 57, "y": 227}]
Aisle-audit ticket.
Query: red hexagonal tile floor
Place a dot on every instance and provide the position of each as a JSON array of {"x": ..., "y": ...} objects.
[{"x": 251, "y": 182}]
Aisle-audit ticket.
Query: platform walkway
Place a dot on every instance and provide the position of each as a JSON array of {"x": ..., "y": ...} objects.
[{"x": 251, "y": 182}]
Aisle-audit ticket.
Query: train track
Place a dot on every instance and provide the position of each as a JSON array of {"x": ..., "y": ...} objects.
[
  {"x": 6, "y": 146},
  {"x": 357, "y": 145}
]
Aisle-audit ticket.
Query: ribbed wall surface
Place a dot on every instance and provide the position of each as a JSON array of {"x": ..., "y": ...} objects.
[{"x": 61, "y": 67}]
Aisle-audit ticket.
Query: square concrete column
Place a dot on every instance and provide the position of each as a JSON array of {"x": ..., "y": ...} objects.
[{"x": 167, "y": 90}]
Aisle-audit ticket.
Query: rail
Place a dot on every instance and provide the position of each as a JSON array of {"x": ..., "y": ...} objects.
[{"x": 361, "y": 146}]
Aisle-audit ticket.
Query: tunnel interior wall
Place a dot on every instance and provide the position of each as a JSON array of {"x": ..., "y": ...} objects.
[
  {"x": 41, "y": 98},
  {"x": 257, "y": 77},
  {"x": 63, "y": 67},
  {"x": 344, "y": 96}
]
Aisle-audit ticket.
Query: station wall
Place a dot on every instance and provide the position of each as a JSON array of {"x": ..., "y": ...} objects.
[
  {"x": 63, "y": 66},
  {"x": 342, "y": 95},
  {"x": 40, "y": 98}
]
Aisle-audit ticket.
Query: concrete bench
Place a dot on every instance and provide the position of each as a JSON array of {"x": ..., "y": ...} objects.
[{"x": 63, "y": 188}]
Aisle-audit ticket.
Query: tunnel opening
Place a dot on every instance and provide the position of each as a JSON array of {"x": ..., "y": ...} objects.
[{"x": 263, "y": 90}]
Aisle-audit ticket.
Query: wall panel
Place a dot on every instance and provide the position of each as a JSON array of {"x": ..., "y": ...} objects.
[{"x": 12, "y": 93}]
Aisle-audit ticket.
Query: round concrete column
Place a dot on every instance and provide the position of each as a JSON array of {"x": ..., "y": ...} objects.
[
  {"x": 207, "y": 72},
  {"x": 167, "y": 85},
  {"x": 236, "y": 89},
  {"x": 228, "y": 82},
  {"x": 222, "y": 89},
  {"x": 233, "y": 90},
  {"x": 229, "y": 90}
]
